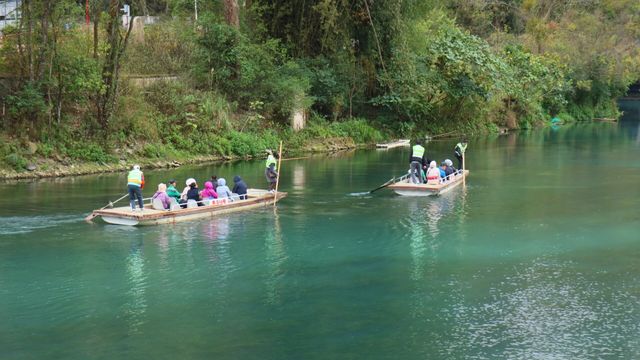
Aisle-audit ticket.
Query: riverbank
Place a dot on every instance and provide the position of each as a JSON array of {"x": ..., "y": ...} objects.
[{"x": 42, "y": 167}]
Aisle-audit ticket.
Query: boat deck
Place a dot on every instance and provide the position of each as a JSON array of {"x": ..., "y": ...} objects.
[{"x": 125, "y": 216}]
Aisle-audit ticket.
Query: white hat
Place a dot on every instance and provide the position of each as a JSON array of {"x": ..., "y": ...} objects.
[
  {"x": 136, "y": 167},
  {"x": 190, "y": 181}
]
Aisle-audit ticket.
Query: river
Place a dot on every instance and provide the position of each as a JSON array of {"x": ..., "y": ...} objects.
[{"x": 537, "y": 258}]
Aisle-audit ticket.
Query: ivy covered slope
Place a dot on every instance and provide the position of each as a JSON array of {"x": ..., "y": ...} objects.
[{"x": 81, "y": 97}]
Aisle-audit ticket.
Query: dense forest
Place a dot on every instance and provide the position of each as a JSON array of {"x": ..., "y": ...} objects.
[{"x": 225, "y": 77}]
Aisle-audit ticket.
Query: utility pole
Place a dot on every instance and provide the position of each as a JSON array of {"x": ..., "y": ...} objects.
[{"x": 195, "y": 6}]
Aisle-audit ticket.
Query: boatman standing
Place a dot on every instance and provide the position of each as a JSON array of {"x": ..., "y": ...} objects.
[
  {"x": 459, "y": 150},
  {"x": 135, "y": 184},
  {"x": 418, "y": 162},
  {"x": 270, "y": 171}
]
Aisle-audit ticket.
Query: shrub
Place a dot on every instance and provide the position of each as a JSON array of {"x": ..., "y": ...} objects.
[{"x": 16, "y": 161}]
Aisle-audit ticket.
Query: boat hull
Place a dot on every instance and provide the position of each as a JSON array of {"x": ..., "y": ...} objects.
[
  {"x": 124, "y": 215},
  {"x": 404, "y": 188}
]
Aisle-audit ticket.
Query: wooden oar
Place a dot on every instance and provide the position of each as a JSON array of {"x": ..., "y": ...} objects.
[
  {"x": 275, "y": 196},
  {"x": 109, "y": 205},
  {"x": 383, "y": 185}
]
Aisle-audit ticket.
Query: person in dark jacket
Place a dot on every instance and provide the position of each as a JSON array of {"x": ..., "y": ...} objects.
[
  {"x": 239, "y": 187},
  {"x": 194, "y": 193}
]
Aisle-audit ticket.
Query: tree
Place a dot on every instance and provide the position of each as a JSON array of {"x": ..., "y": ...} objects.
[{"x": 117, "y": 42}]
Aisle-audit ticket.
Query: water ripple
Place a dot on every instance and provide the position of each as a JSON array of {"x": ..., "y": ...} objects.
[{"x": 12, "y": 225}]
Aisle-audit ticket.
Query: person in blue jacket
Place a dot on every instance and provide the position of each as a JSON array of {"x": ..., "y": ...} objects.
[{"x": 239, "y": 187}]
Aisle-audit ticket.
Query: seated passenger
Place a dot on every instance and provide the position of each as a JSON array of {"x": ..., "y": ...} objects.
[
  {"x": 161, "y": 195},
  {"x": 450, "y": 166},
  {"x": 443, "y": 170},
  {"x": 223, "y": 190},
  {"x": 433, "y": 173},
  {"x": 208, "y": 193},
  {"x": 183, "y": 195},
  {"x": 172, "y": 191},
  {"x": 193, "y": 193},
  {"x": 240, "y": 187}
]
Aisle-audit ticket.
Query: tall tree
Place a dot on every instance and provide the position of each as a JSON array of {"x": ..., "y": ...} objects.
[
  {"x": 117, "y": 41},
  {"x": 231, "y": 13}
]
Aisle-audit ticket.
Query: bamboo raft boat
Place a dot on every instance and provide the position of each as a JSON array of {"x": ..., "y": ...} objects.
[
  {"x": 606, "y": 119},
  {"x": 403, "y": 186},
  {"x": 256, "y": 198},
  {"x": 393, "y": 144}
]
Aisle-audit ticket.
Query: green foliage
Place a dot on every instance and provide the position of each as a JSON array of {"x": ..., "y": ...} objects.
[
  {"x": 416, "y": 67},
  {"x": 16, "y": 161},
  {"x": 225, "y": 60},
  {"x": 28, "y": 103},
  {"x": 89, "y": 152}
]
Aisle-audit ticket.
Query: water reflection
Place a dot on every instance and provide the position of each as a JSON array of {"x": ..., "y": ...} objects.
[
  {"x": 542, "y": 309},
  {"x": 298, "y": 177},
  {"x": 136, "y": 307},
  {"x": 276, "y": 256}
]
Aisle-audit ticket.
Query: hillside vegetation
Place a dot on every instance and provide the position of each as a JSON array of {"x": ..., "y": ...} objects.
[{"x": 365, "y": 70}]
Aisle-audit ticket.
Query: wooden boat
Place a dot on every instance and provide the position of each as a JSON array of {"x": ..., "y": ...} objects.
[
  {"x": 404, "y": 186},
  {"x": 393, "y": 144},
  {"x": 256, "y": 198},
  {"x": 606, "y": 119}
]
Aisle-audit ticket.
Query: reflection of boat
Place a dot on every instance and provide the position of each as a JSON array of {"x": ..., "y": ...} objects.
[
  {"x": 397, "y": 143},
  {"x": 404, "y": 186},
  {"x": 124, "y": 216}
]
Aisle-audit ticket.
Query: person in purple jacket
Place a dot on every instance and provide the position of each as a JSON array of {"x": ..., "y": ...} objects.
[{"x": 161, "y": 195}]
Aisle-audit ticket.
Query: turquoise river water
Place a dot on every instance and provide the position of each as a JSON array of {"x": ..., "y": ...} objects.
[{"x": 538, "y": 258}]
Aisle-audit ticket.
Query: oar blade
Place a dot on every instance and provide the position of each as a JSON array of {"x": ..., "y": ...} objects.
[
  {"x": 90, "y": 217},
  {"x": 382, "y": 186}
]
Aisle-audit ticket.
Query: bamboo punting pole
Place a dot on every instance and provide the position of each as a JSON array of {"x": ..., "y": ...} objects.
[
  {"x": 275, "y": 196},
  {"x": 464, "y": 174}
]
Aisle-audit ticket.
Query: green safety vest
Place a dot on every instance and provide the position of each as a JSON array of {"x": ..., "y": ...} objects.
[
  {"x": 134, "y": 178},
  {"x": 462, "y": 148},
  {"x": 418, "y": 151},
  {"x": 271, "y": 160}
]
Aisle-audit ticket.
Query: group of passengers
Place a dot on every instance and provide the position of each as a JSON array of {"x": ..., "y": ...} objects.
[
  {"x": 215, "y": 191},
  {"x": 425, "y": 171}
]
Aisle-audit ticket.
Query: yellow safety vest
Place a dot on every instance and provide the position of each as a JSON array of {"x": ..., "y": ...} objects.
[
  {"x": 462, "y": 148},
  {"x": 271, "y": 160},
  {"x": 134, "y": 178},
  {"x": 418, "y": 151}
]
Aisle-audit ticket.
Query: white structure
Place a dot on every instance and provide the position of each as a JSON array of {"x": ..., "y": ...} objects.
[{"x": 9, "y": 12}]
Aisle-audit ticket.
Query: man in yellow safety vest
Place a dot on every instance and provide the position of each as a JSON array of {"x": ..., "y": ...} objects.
[
  {"x": 135, "y": 184},
  {"x": 459, "y": 150},
  {"x": 418, "y": 162},
  {"x": 270, "y": 171}
]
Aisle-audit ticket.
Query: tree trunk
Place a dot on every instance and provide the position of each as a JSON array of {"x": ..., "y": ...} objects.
[
  {"x": 231, "y": 13},
  {"x": 117, "y": 44},
  {"x": 96, "y": 27},
  {"x": 44, "y": 40},
  {"x": 27, "y": 13}
]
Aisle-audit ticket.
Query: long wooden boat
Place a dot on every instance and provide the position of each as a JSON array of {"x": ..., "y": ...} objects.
[
  {"x": 606, "y": 119},
  {"x": 404, "y": 186},
  {"x": 256, "y": 198},
  {"x": 393, "y": 144}
]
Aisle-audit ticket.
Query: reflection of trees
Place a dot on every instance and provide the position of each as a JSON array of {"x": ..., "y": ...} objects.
[
  {"x": 275, "y": 257},
  {"x": 136, "y": 307}
]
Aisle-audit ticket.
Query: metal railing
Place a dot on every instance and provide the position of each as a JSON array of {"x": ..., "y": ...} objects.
[{"x": 447, "y": 179}]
